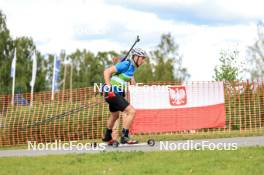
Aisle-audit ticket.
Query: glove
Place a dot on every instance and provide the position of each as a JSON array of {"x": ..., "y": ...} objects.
[
  {"x": 107, "y": 92},
  {"x": 111, "y": 95}
]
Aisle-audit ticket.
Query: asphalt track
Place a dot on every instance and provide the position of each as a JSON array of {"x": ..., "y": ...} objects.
[{"x": 222, "y": 143}]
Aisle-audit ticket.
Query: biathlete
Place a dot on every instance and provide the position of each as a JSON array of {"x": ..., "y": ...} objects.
[{"x": 116, "y": 80}]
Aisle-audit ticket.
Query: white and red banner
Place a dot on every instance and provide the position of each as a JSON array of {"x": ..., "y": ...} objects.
[{"x": 167, "y": 108}]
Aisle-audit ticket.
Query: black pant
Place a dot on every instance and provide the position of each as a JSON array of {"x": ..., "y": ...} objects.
[{"x": 117, "y": 103}]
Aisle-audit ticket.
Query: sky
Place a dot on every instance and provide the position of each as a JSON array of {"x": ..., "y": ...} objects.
[{"x": 201, "y": 28}]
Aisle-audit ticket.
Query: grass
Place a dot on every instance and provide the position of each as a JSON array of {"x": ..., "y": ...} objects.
[{"x": 242, "y": 161}]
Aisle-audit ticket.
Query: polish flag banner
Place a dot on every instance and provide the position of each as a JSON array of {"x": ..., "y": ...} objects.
[{"x": 164, "y": 108}]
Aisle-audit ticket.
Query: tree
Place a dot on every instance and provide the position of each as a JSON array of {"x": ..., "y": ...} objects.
[
  {"x": 88, "y": 68},
  {"x": 228, "y": 70},
  {"x": 41, "y": 83},
  {"x": 48, "y": 64},
  {"x": 145, "y": 72},
  {"x": 6, "y": 56},
  {"x": 256, "y": 55},
  {"x": 24, "y": 48},
  {"x": 168, "y": 65},
  {"x": 105, "y": 58}
]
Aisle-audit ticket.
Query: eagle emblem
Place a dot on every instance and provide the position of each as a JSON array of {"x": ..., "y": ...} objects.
[{"x": 177, "y": 95}]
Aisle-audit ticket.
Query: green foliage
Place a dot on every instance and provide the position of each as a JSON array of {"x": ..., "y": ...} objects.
[
  {"x": 24, "y": 50},
  {"x": 41, "y": 83},
  {"x": 207, "y": 162},
  {"x": 6, "y": 55},
  {"x": 144, "y": 73},
  {"x": 228, "y": 70},
  {"x": 87, "y": 68},
  {"x": 168, "y": 65}
]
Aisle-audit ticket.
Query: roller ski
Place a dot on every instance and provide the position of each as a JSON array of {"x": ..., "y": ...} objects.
[
  {"x": 112, "y": 142},
  {"x": 116, "y": 144}
]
